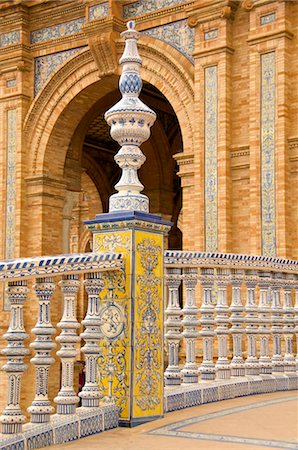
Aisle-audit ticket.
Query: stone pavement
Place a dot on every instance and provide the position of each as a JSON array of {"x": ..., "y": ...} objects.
[{"x": 247, "y": 423}]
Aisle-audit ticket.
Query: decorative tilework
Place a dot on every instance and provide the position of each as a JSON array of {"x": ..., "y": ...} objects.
[
  {"x": 178, "y": 34},
  {"x": 268, "y": 18},
  {"x": 212, "y": 34},
  {"x": 44, "y": 66},
  {"x": 67, "y": 428},
  {"x": 98, "y": 11},
  {"x": 211, "y": 137},
  {"x": 268, "y": 208},
  {"x": 10, "y": 182},
  {"x": 13, "y": 37},
  {"x": 213, "y": 259},
  {"x": 56, "y": 31},
  {"x": 11, "y": 83},
  {"x": 58, "y": 264},
  {"x": 148, "y": 328},
  {"x": 146, "y": 6}
]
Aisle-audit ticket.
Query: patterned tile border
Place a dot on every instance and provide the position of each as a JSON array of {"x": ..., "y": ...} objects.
[
  {"x": 178, "y": 34},
  {"x": 13, "y": 37},
  {"x": 59, "y": 264},
  {"x": 211, "y": 138},
  {"x": 57, "y": 31},
  {"x": 147, "y": 6},
  {"x": 184, "y": 396},
  {"x": 174, "y": 429},
  {"x": 210, "y": 259},
  {"x": 10, "y": 182},
  {"x": 98, "y": 11},
  {"x": 45, "y": 65},
  {"x": 268, "y": 207},
  {"x": 62, "y": 429}
]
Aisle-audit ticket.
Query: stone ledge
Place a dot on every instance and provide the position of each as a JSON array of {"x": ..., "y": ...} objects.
[
  {"x": 63, "y": 429},
  {"x": 188, "y": 395}
]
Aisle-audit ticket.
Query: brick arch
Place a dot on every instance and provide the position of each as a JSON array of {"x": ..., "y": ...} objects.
[{"x": 78, "y": 84}]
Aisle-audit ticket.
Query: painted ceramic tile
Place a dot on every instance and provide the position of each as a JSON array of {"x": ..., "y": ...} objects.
[
  {"x": 13, "y": 37},
  {"x": 268, "y": 207},
  {"x": 148, "y": 370},
  {"x": 114, "y": 362},
  {"x": 268, "y": 18},
  {"x": 212, "y": 34},
  {"x": 98, "y": 11},
  {"x": 178, "y": 34},
  {"x": 57, "y": 31},
  {"x": 146, "y": 6},
  {"x": 44, "y": 66},
  {"x": 211, "y": 137}
]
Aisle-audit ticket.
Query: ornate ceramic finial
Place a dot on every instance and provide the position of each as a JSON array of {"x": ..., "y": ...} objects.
[{"x": 130, "y": 121}]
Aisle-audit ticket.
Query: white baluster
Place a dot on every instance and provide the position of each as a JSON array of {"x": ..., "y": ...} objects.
[
  {"x": 252, "y": 366},
  {"x": 190, "y": 323},
  {"x": 90, "y": 393},
  {"x": 296, "y": 318},
  {"x": 12, "y": 417},
  {"x": 67, "y": 398},
  {"x": 289, "y": 325},
  {"x": 277, "y": 323},
  {"x": 264, "y": 320},
  {"x": 222, "y": 365},
  {"x": 173, "y": 327},
  {"x": 41, "y": 407},
  {"x": 207, "y": 368},
  {"x": 237, "y": 319}
]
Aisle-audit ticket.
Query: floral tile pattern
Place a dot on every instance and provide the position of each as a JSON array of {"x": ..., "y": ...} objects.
[
  {"x": 146, "y": 6},
  {"x": 211, "y": 137},
  {"x": 45, "y": 65},
  {"x": 178, "y": 34},
  {"x": 268, "y": 112},
  {"x": 13, "y": 37},
  {"x": 98, "y": 11},
  {"x": 56, "y": 31}
]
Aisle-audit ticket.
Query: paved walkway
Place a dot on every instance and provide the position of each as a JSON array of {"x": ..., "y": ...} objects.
[{"x": 247, "y": 423}]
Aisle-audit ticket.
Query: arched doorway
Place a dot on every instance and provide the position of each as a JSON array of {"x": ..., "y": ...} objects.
[
  {"x": 90, "y": 167},
  {"x": 65, "y": 134}
]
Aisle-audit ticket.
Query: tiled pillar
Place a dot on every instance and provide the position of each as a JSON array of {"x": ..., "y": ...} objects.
[
  {"x": 67, "y": 398},
  {"x": 237, "y": 319},
  {"x": 12, "y": 418},
  {"x": 277, "y": 324},
  {"x": 264, "y": 323},
  {"x": 207, "y": 368},
  {"x": 173, "y": 327},
  {"x": 41, "y": 407},
  {"x": 190, "y": 324},
  {"x": 252, "y": 366},
  {"x": 222, "y": 365},
  {"x": 289, "y": 325},
  {"x": 90, "y": 393}
]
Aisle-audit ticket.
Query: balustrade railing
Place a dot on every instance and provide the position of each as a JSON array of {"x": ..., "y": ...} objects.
[
  {"x": 242, "y": 316},
  {"x": 44, "y": 271},
  {"x": 237, "y": 318}
]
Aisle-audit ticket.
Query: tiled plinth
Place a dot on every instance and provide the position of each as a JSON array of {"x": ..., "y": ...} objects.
[
  {"x": 63, "y": 429},
  {"x": 188, "y": 395}
]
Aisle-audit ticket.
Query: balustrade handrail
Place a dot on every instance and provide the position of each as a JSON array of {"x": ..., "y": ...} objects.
[
  {"x": 24, "y": 268},
  {"x": 180, "y": 258}
]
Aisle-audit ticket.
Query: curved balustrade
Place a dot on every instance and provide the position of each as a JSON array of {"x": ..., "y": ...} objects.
[
  {"x": 44, "y": 271},
  {"x": 234, "y": 333},
  {"x": 243, "y": 318}
]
